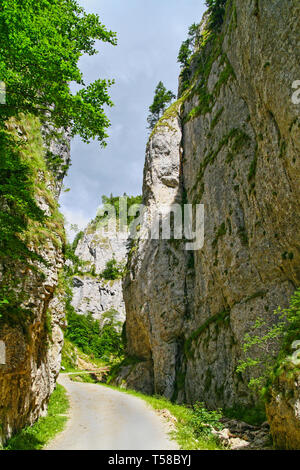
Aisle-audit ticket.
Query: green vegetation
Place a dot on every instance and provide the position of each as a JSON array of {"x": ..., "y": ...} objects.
[
  {"x": 188, "y": 46},
  {"x": 254, "y": 415},
  {"x": 216, "y": 119},
  {"x": 170, "y": 113},
  {"x": 99, "y": 341},
  {"x": 24, "y": 226},
  {"x": 220, "y": 233},
  {"x": 113, "y": 270},
  {"x": 216, "y": 10},
  {"x": 118, "y": 203},
  {"x": 126, "y": 361},
  {"x": 69, "y": 356},
  {"x": 193, "y": 47},
  {"x": 242, "y": 233},
  {"x": 193, "y": 425},
  {"x": 46, "y": 40},
  {"x": 72, "y": 354},
  {"x": 236, "y": 138},
  {"x": 162, "y": 98},
  {"x": 45, "y": 429},
  {"x": 78, "y": 237},
  {"x": 42, "y": 61},
  {"x": 263, "y": 340}
]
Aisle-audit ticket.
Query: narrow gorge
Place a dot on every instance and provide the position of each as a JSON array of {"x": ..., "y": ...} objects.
[{"x": 210, "y": 331}]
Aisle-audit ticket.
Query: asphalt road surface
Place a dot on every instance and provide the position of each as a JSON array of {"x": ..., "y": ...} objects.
[{"x": 105, "y": 419}]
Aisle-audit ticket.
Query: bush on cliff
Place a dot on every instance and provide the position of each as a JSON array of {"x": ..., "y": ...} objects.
[
  {"x": 263, "y": 339},
  {"x": 113, "y": 270},
  {"x": 216, "y": 10}
]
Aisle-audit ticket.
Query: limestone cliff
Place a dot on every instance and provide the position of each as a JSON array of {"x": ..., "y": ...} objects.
[
  {"x": 33, "y": 342},
  {"x": 232, "y": 143},
  {"x": 91, "y": 294}
]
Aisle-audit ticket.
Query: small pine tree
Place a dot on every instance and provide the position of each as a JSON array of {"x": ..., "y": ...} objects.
[
  {"x": 187, "y": 47},
  {"x": 162, "y": 98}
]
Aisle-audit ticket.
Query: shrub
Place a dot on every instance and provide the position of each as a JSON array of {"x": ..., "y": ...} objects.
[
  {"x": 203, "y": 420},
  {"x": 284, "y": 332},
  {"x": 113, "y": 270},
  {"x": 216, "y": 10}
]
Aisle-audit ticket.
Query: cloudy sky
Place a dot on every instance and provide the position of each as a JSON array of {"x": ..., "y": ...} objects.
[{"x": 149, "y": 36}]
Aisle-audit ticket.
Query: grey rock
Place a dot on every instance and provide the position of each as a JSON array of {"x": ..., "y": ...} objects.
[
  {"x": 33, "y": 353},
  {"x": 91, "y": 294},
  {"x": 189, "y": 320}
]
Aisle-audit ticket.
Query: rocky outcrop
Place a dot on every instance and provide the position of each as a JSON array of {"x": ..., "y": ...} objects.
[
  {"x": 283, "y": 411},
  {"x": 97, "y": 296},
  {"x": 95, "y": 249},
  {"x": 232, "y": 143},
  {"x": 91, "y": 293},
  {"x": 33, "y": 343},
  {"x": 155, "y": 290}
]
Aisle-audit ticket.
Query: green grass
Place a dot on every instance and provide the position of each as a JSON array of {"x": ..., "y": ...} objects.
[
  {"x": 45, "y": 429},
  {"x": 83, "y": 377},
  {"x": 186, "y": 434}
]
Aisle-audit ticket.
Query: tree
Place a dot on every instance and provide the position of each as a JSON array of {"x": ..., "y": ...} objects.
[
  {"x": 162, "y": 98},
  {"x": 216, "y": 10},
  {"x": 41, "y": 43},
  {"x": 113, "y": 270},
  {"x": 188, "y": 46}
]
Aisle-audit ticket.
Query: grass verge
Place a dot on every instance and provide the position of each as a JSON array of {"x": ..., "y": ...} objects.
[{"x": 37, "y": 436}]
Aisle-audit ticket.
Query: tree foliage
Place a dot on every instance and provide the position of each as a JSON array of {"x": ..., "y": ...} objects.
[
  {"x": 41, "y": 43},
  {"x": 114, "y": 201},
  {"x": 216, "y": 10},
  {"x": 261, "y": 345},
  {"x": 162, "y": 98},
  {"x": 187, "y": 47},
  {"x": 101, "y": 342},
  {"x": 113, "y": 270}
]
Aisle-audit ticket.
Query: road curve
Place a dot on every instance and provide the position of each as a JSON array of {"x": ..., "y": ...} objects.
[{"x": 105, "y": 419}]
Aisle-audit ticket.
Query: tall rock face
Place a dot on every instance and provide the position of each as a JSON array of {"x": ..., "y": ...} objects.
[
  {"x": 283, "y": 411},
  {"x": 32, "y": 345},
  {"x": 91, "y": 294},
  {"x": 156, "y": 289},
  {"x": 232, "y": 143}
]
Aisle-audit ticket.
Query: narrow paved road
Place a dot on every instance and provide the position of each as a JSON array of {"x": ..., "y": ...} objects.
[{"x": 105, "y": 419}]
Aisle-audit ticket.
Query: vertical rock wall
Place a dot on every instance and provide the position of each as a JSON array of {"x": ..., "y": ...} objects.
[
  {"x": 187, "y": 313},
  {"x": 91, "y": 294},
  {"x": 33, "y": 345}
]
